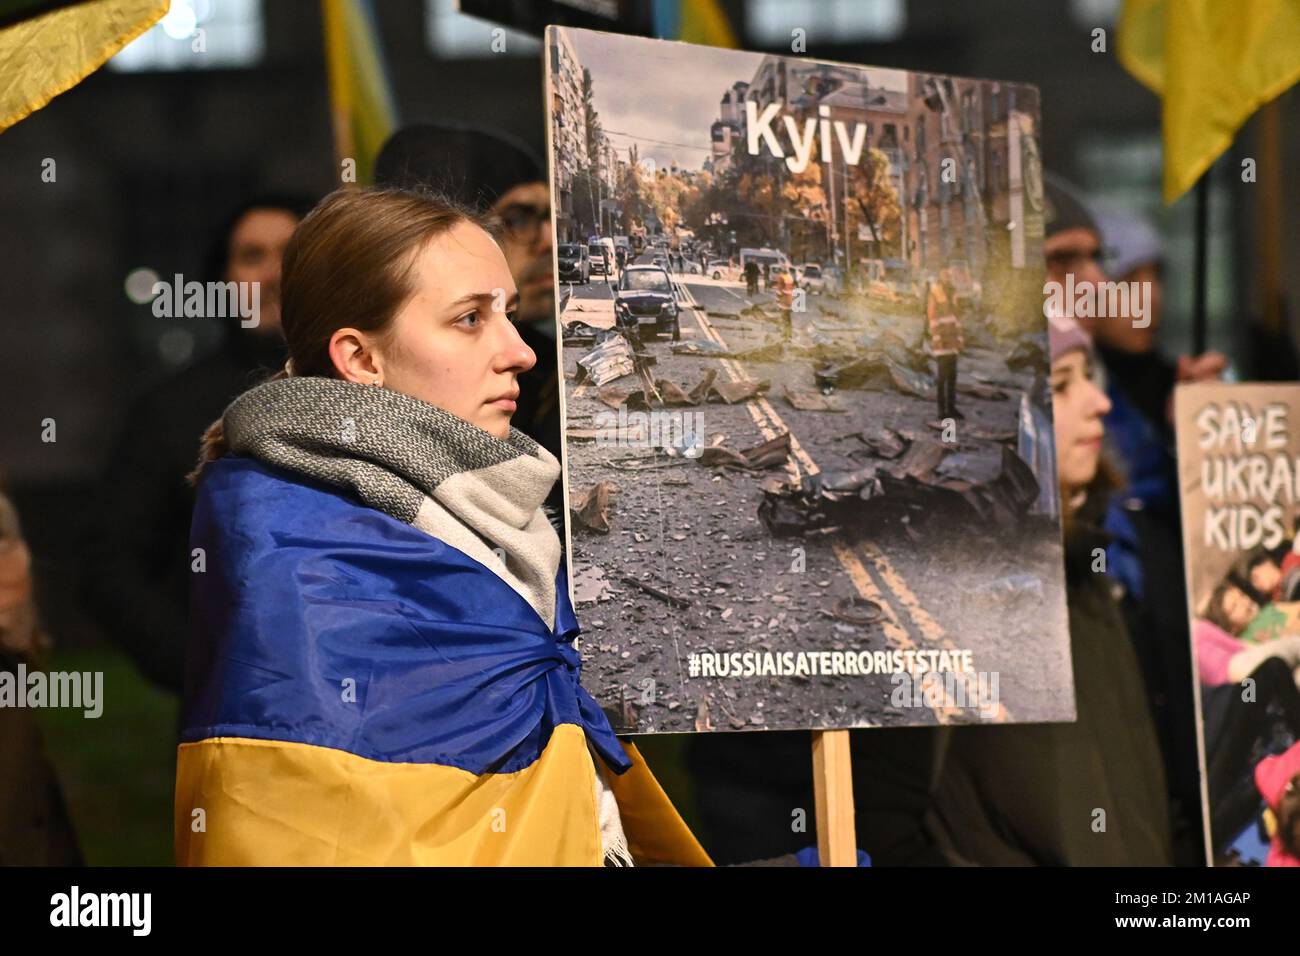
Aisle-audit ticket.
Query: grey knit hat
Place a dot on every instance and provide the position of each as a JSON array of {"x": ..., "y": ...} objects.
[{"x": 1127, "y": 242}]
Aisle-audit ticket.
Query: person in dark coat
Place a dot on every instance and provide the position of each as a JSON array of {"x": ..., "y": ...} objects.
[
  {"x": 136, "y": 550},
  {"x": 1144, "y": 554},
  {"x": 35, "y": 827},
  {"x": 1088, "y": 793}
]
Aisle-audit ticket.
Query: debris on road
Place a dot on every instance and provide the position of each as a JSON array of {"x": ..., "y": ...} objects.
[
  {"x": 610, "y": 360},
  {"x": 768, "y": 454},
  {"x": 990, "y": 484},
  {"x": 591, "y": 507},
  {"x": 978, "y": 466},
  {"x": 809, "y": 400},
  {"x": 884, "y": 441},
  {"x": 876, "y": 371},
  {"x": 856, "y": 610},
  {"x": 581, "y": 333},
  {"x": 589, "y": 585},
  {"x": 669, "y": 394},
  {"x": 923, "y": 455},
  {"x": 735, "y": 392},
  {"x": 663, "y": 595}
]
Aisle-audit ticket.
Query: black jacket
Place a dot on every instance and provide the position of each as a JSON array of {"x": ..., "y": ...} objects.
[
  {"x": 136, "y": 550},
  {"x": 35, "y": 827},
  {"x": 1090, "y": 793}
]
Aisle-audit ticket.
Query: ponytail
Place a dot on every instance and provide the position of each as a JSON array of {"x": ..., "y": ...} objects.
[{"x": 213, "y": 444}]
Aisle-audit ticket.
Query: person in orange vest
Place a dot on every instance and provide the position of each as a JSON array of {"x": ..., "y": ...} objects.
[
  {"x": 784, "y": 283},
  {"x": 945, "y": 341}
]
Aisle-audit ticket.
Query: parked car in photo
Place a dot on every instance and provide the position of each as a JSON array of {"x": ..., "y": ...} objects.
[
  {"x": 645, "y": 299},
  {"x": 722, "y": 269},
  {"x": 811, "y": 277},
  {"x": 575, "y": 263},
  {"x": 600, "y": 265}
]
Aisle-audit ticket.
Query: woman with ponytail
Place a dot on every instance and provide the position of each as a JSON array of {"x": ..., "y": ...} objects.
[{"x": 382, "y": 668}]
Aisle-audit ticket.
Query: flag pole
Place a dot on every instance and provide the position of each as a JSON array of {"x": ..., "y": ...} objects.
[
  {"x": 1200, "y": 278},
  {"x": 1269, "y": 204}
]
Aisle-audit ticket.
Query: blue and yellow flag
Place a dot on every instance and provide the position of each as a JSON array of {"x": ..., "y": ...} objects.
[
  {"x": 361, "y": 100},
  {"x": 694, "y": 21},
  {"x": 361, "y": 693},
  {"x": 1213, "y": 64},
  {"x": 48, "y": 48}
]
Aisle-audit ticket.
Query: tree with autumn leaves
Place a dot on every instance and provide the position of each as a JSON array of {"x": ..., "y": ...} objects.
[
  {"x": 873, "y": 200},
  {"x": 769, "y": 206}
]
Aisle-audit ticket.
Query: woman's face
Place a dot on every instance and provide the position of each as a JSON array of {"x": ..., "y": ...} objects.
[
  {"x": 1077, "y": 406},
  {"x": 454, "y": 343},
  {"x": 1239, "y": 609}
]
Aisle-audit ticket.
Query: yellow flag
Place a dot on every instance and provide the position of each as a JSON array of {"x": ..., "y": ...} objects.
[
  {"x": 1213, "y": 63},
  {"x": 52, "y": 51},
  {"x": 703, "y": 21},
  {"x": 360, "y": 100}
]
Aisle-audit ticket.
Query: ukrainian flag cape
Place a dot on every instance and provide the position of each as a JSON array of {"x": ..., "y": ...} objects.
[{"x": 361, "y": 693}]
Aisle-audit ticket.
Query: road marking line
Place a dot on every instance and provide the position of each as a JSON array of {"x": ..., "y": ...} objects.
[
  {"x": 761, "y": 409},
  {"x": 738, "y": 374},
  {"x": 926, "y": 624},
  {"x": 890, "y": 576},
  {"x": 892, "y": 626}
]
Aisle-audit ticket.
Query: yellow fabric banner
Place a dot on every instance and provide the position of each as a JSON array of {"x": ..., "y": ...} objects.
[
  {"x": 703, "y": 21},
  {"x": 50, "y": 54},
  {"x": 1213, "y": 64},
  {"x": 247, "y": 802},
  {"x": 360, "y": 100}
]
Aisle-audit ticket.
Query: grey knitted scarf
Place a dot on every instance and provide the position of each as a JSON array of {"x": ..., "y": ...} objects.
[{"x": 417, "y": 463}]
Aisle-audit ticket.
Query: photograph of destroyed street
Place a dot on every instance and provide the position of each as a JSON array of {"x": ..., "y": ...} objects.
[{"x": 775, "y": 522}]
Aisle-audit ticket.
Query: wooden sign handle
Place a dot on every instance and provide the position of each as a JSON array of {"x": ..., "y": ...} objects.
[{"x": 833, "y": 792}]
